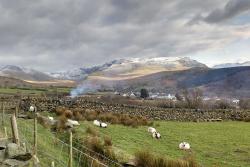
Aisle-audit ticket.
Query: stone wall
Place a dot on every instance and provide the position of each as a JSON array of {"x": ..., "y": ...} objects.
[{"x": 154, "y": 113}]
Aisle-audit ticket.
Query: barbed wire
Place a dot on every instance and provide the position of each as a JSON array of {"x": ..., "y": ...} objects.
[
  {"x": 86, "y": 148},
  {"x": 26, "y": 134}
]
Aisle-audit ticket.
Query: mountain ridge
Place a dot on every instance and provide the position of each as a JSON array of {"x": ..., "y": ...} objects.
[{"x": 227, "y": 65}]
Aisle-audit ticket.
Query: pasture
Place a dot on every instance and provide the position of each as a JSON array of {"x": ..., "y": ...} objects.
[
  {"x": 33, "y": 91},
  {"x": 213, "y": 144}
]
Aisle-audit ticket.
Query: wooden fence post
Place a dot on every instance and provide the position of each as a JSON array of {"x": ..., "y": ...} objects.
[
  {"x": 14, "y": 130},
  {"x": 52, "y": 164},
  {"x": 70, "y": 150},
  {"x": 35, "y": 158},
  {"x": 35, "y": 132},
  {"x": 16, "y": 111},
  {"x": 5, "y": 133},
  {"x": 3, "y": 114}
]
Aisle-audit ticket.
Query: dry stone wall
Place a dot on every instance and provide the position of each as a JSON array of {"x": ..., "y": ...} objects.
[{"x": 155, "y": 113}]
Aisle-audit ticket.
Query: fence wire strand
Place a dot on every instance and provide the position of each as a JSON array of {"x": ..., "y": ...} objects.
[{"x": 57, "y": 150}]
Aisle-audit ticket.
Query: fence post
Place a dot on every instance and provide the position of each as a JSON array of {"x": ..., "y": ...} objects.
[
  {"x": 3, "y": 113},
  {"x": 52, "y": 164},
  {"x": 16, "y": 111},
  {"x": 35, "y": 158},
  {"x": 5, "y": 133},
  {"x": 70, "y": 150},
  {"x": 14, "y": 130}
]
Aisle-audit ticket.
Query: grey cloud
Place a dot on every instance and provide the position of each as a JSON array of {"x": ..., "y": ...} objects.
[
  {"x": 230, "y": 10},
  {"x": 62, "y": 34}
]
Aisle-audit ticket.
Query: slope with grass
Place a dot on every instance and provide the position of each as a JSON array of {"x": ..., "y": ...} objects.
[{"x": 213, "y": 144}]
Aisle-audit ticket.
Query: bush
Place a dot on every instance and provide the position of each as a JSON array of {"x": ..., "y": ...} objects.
[
  {"x": 90, "y": 115},
  {"x": 247, "y": 119},
  {"x": 144, "y": 93},
  {"x": 60, "y": 126},
  {"x": 113, "y": 118},
  {"x": 68, "y": 114},
  {"x": 144, "y": 159},
  {"x": 60, "y": 110},
  {"x": 147, "y": 159},
  {"x": 95, "y": 144},
  {"x": 107, "y": 141},
  {"x": 78, "y": 116},
  {"x": 92, "y": 131}
]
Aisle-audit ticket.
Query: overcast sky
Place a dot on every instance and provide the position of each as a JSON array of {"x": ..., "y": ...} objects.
[{"x": 52, "y": 35}]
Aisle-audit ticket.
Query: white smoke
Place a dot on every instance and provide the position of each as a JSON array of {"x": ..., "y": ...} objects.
[{"x": 85, "y": 87}]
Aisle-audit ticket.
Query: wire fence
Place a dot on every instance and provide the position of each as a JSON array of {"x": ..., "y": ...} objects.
[{"x": 51, "y": 149}]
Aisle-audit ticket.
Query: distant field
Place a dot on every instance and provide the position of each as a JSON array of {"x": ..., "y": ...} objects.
[
  {"x": 214, "y": 144},
  {"x": 35, "y": 91}
]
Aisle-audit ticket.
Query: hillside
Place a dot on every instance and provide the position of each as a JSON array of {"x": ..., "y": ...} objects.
[
  {"x": 20, "y": 76},
  {"x": 214, "y": 82},
  {"x": 227, "y": 65},
  {"x": 129, "y": 68},
  {"x": 24, "y": 73},
  {"x": 12, "y": 82}
]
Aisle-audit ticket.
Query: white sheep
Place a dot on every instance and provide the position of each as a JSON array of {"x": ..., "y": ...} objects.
[
  {"x": 96, "y": 122},
  {"x": 104, "y": 125},
  {"x": 73, "y": 122},
  {"x": 100, "y": 124},
  {"x": 156, "y": 135},
  {"x": 151, "y": 130},
  {"x": 32, "y": 109},
  {"x": 184, "y": 146},
  {"x": 51, "y": 118}
]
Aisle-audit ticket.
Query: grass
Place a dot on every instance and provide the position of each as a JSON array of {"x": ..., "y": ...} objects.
[
  {"x": 34, "y": 91},
  {"x": 213, "y": 144},
  {"x": 48, "y": 147}
]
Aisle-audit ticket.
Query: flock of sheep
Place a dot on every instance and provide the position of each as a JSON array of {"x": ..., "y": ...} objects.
[{"x": 155, "y": 134}]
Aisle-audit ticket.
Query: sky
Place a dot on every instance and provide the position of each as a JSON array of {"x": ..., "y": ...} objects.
[{"x": 57, "y": 35}]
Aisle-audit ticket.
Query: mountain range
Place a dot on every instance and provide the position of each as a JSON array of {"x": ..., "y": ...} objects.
[
  {"x": 164, "y": 74},
  {"x": 227, "y": 65},
  {"x": 129, "y": 68},
  {"x": 24, "y": 73}
]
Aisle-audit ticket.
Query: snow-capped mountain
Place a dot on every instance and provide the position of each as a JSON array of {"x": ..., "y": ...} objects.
[
  {"x": 227, "y": 65},
  {"x": 136, "y": 67},
  {"x": 131, "y": 67},
  {"x": 74, "y": 74},
  {"x": 23, "y": 73}
]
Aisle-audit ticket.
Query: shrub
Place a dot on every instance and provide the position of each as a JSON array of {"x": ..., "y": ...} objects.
[
  {"x": 92, "y": 131},
  {"x": 247, "y": 119},
  {"x": 60, "y": 110},
  {"x": 60, "y": 126},
  {"x": 147, "y": 159},
  {"x": 68, "y": 114},
  {"x": 94, "y": 143},
  {"x": 90, "y": 115},
  {"x": 78, "y": 116},
  {"x": 107, "y": 141},
  {"x": 144, "y": 93},
  {"x": 143, "y": 159}
]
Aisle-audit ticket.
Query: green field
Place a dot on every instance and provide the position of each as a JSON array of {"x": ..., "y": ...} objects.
[
  {"x": 33, "y": 91},
  {"x": 213, "y": 144}
]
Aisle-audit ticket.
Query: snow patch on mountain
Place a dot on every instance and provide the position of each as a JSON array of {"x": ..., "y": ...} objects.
[{"x": 228, "y": 65}]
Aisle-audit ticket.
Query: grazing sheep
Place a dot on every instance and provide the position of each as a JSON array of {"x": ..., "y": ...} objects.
[
  {"x": 73, "y": 122},
  {"x": 100, "y": 124},
  {"x": 184, "y": 146},
  {"x": 104, "y": 125},
  {"x": 96, "y": 122},
  {"x": 151, "y": 130},
  {"x": 156, "y": 135},
  {"x": 51, "y": 118},
  {"x": 32, "y": 109}
]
